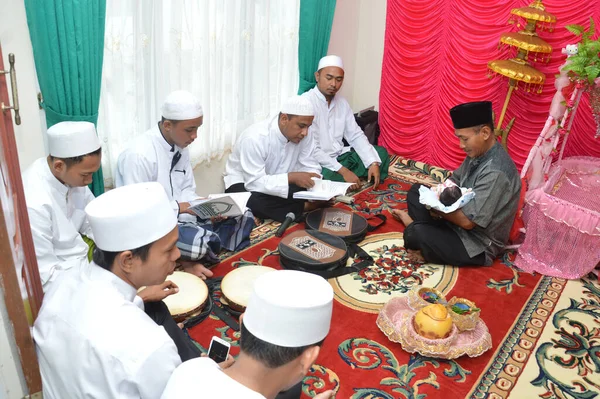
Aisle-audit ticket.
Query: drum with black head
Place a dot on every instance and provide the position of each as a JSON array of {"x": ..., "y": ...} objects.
[
  {"x": 319, "y": 253},
  {"x": 343, "y": 223}
]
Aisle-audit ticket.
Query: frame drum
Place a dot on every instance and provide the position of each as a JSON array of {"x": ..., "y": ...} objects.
[
  {"x": 237, "y": 286},
  {"x": 191, "y": 298}
]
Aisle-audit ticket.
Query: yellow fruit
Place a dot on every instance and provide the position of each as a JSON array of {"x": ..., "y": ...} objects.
[{"x": 433, "y": 322}]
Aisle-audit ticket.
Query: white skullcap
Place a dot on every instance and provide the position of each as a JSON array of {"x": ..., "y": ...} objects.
[
  {"x": 290, "y": 308},
  {"x": 329, "y": 61},
  {"x": 72, "y": 139},
  {"x": 181, "y": 105},
  {"x": 298, "y": 105},
  {"x": 130, "y": 217}
]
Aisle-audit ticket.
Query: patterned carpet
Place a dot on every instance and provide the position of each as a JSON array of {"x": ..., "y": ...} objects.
[{"x": 545, "y": 331}]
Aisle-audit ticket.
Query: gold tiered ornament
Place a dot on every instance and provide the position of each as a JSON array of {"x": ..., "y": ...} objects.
[{"x": 518, "y": 69}]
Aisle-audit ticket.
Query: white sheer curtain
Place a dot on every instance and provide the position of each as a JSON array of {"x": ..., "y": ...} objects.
[{"x": 239, "y": 56}]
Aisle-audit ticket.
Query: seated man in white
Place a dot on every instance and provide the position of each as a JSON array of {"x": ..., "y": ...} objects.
[
  {"x": 161, "y": 155},
  {"x": 93, "y": 338},
  {"x": 273, "y": 159},
  {"x": 56, "y": 193},
  {"x": 334, "y": 122},
  {"x": 287, "y": 318}
]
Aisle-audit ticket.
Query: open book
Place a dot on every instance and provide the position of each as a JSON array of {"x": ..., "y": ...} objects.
[
  {"x": 226, "y": 205},
  {"x": 323, "y": 190}
]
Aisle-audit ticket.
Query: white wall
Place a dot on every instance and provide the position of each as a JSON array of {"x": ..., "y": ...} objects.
[
  {"x": 12, "y": 381},
  {"x": 343, "y": 41},
  {"x": 357, "y": 35},
  {"x": 14, "y": 38}
]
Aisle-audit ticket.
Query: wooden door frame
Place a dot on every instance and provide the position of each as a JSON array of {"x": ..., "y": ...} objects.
[{"x": 9, "y": 280}]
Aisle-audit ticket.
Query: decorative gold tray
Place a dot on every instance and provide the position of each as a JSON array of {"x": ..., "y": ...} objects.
[{"x": 395, "y": 321}]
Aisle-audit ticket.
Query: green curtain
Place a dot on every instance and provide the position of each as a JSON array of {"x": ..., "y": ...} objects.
[
  {"x": 68, "y": 47},
  {"x": 316, "y": 18}
]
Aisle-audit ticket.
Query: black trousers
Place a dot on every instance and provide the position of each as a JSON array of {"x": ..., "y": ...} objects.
[
  {"x": 436, "y": 240},
  {"x": 267, "y": 206},
  {"x": 159, "y": 312}
]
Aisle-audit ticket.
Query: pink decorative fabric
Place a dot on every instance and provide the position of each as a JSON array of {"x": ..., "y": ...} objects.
[
  {"x": 395, "y": 320},
  {"x": 563, "y": 221},
  {"x": 435, "y": 57}
]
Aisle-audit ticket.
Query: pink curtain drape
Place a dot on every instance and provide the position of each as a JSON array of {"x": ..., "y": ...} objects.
[{"x": 435, "y": 57}]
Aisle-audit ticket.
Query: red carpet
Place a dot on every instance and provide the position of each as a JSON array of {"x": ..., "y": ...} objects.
[{"x": 359, "y": 361}]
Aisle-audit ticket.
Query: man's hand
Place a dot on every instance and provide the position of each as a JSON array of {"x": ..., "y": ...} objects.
[
  {"x": 183, "y": 207},
  {"x": 374, "y": 174},
  {"x": 350, "y": 177},
  {"x": 227, "y": 363},
  {"x": 436, "y": 214},
  {"x": 302, "y": 179},
  {"x": 159, "y": 292},
  {"x": 224, "y": 365},
  {"x": 217, "y": 219},
  {"x": 458, "y": 218},
  {"x": 195, "y": 268}
]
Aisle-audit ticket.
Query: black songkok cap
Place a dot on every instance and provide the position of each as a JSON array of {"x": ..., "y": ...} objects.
[{"x": 472, "y": 114}]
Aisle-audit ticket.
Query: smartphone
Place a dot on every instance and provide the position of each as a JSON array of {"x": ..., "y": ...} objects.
[{"x": 218, "y": 349}]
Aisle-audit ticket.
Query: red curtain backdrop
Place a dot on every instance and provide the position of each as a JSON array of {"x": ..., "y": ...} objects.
[{"x": 436, "y": 54}]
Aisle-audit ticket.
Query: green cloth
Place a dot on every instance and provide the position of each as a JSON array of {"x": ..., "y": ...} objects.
[
  {"x": 316, "y": 18},
  {"x": 91, "y": 245},
  {"x": 68, "y": 47},
  {"x": 352, "y": 161}
]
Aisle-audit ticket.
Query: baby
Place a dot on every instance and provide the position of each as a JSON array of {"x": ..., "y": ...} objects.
[
  {"x": 445, "y": 197},
  {"x": 450, "y": 195}
]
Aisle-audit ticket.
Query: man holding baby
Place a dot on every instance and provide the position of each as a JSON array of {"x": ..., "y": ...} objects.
[{"x": 478, "y": 231}]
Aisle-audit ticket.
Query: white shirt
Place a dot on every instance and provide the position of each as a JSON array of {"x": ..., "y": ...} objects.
[
  {"x": 92, "y": 341},
  {"x": 148, "y": 158},
  {"x": 203, "y": 378},
  {"x": 57, "y": 217},
  {"x": 333, "y": 123},
  {"x": 262, "y": 158}
]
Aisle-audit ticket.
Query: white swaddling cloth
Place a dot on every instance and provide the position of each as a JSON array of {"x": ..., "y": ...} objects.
[{"x": 431, "y": 197}]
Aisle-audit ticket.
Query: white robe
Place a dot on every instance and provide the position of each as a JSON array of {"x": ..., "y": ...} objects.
[
  {"x": 57, "y": 218},
  {"x": 92, "y": 340},
  {"x": 262, "y": 158},
  {"x": 203, "y": 378},
  {"x": 148, "y": 159},
  {"x": 333, "y": 123}
]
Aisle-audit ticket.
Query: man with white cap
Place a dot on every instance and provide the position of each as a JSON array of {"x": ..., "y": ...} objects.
[
  {"x": 334, "y": 122},
  {"x": 287, "y": 318},
  {"x": 56, "y": 193},
  {"x": 92, "y": 338},
  {"x": 161, "y": 155},
  {"x": 273, "y": 159}
]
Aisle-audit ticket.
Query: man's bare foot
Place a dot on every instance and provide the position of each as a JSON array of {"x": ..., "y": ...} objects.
[
  {"x": 402, "y": 216},
  {"x": 415, "y": 256},
  {"x": 197, "y": 269}
]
